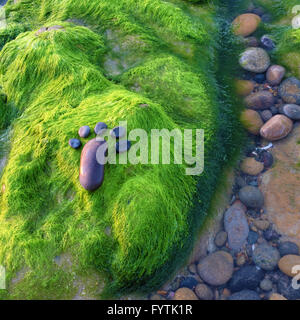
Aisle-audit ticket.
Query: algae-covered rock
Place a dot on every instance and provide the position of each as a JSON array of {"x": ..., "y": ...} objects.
[{"x": 138, "y": 227}]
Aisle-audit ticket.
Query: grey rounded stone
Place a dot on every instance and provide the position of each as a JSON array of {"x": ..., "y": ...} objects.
[
  {"x": 236, "y": 226},
  {"x": 216, "y": 269},
  {"x": 251, "y": 197},
  {"x": 255, "y": 60},
  {"x": 266, "y": 285},
  {"x": 245, "y": 295},
  {"x": 292, "y": 111},
  {"x": 288, "y": 247},
  {"x": 266, "y": 257},
  {"x": 289, "y": 90},
  {"x": 221, "y": 238},
  {"x": 266, "y": 115},
  {"x": 204, "y": 292}
]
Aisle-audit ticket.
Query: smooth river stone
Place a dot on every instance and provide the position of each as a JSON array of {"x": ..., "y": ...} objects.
[
  {"x": 100, "y": 128},
  {"x": 91, "y": 171},
  {"x": 289, "y": 90},
  {"x": 252, "y": 121},
  {"x": 255, "y": 60},
  {"x": 244, "y": 87},
  {"x": 246, "y": 24},
  {"x": 75, "y": 143},
  {"x": 260, "y": 100},
  {"x": 292, "y": 111},
  {"x": 84, "y": 131},
  {"x": 287, "y": 263},
  {"x": 236, "y": 225},
  {"x": 275, "y": 74},
  {"x": 216, "y": 269},
  {"x": 276, "y": 128}
]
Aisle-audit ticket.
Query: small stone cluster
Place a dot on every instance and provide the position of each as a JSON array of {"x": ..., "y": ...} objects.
[
  {"x": 91, "y": 174},
  {"x": 250, "y": 260}
]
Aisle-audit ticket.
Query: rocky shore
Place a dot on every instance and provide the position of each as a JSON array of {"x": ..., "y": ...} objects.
[{"x": 256, "y": 253}]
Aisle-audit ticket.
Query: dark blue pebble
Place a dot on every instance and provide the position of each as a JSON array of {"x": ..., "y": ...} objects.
[
  {"x": 123, "y": 146},
  {"x": 189, "y": 282},
  {"x": 288, "y": 247},
  {"x": 74, "y": 143},
  {"x": 252, "y": 237},
  {"x": 260, "y": 78},
  {"x": 118, "y": 132},
  {"x": 267, "y": 43},
  {"x": 271, "y": 235},
  {"x": 100, "y": 128},
  {"x": 84, "y": 131}
]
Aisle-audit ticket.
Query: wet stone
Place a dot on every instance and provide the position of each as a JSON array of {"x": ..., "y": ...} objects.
[
  {"x": 255, "y": 60},
  {"x": 260, "y": 78},
  {"x": 91, "y": 171},
  {"x": 217, "y": 268},
  {"x": 275, "y": 75},
  {"x": 266, "y": 115},
  {"x": 247, "y": 277},
  {"x": 266, "y": 256},
  {"x": 189, "y": 282},
  {"x": 221, "y": 239},
  {"x": 267, "y": 43},
  {"x": 289, "y": 90},
  {"x": 100, "y": 128},
  {"x": 251, "y": 197},
  {"x": 84, "y": 131},
  {"x": 288, "y": 247},
  {"x": 292, "y": 111},
  {"x": 266, "y": 285},
  {"x": 260, "y": 100},
  {"x": 75, "y": 143},
  {"x": 236, "y": 225}
]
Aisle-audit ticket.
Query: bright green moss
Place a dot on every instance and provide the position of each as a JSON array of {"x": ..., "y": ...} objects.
[{"x": 128, "y": 53}]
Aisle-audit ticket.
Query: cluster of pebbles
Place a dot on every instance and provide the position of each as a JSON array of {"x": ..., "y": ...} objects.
[
  {"x": 249, "y": 260},
  {"x": 91, "y": 166}
]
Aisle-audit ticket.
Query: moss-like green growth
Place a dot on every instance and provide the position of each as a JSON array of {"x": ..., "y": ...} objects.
[
  {"x": 287, "y": 37},
  {"x": 109, "y": 58}
]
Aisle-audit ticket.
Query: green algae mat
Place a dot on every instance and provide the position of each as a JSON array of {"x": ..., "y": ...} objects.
[{"x": 106, "y": 61}]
